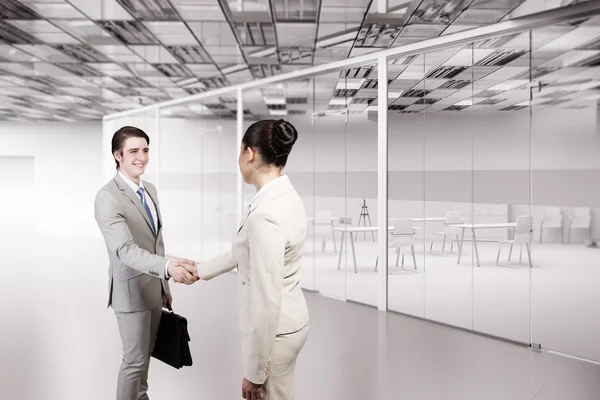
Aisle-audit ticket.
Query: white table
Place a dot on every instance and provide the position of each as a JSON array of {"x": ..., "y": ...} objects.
[
  {"x": 428, "y": 219},
  {"x": 352, "y": 230},
  {"x": 473, "y": 228},
  {"x": 332, "y": 223}
]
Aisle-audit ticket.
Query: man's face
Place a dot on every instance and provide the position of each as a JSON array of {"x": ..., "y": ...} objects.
[{"x": 134, "y": 157}]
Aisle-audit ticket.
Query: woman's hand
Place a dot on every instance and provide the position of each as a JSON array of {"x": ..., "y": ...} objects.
[{"x": 251, "y": 391}]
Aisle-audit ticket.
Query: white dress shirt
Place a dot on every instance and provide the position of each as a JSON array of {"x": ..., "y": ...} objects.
[{"x": 150, "y": 203}]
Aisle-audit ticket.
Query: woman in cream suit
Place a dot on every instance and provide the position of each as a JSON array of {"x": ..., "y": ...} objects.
[{"x": 267, "y": 251}]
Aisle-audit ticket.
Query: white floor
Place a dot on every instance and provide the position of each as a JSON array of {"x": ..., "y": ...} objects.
[
  {"x": 553, "y": 303},
  {"x": 61, "y": 343},
  {"x": 560, "y": 294}
]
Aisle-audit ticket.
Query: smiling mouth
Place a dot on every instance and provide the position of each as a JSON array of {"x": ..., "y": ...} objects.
[{"x": 139, "y": 165}]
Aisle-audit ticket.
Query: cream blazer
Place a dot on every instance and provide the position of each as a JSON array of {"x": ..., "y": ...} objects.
[{"x": 267, "y": 251}]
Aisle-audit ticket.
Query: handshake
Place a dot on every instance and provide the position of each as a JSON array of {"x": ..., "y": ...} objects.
[{"x": 183, "y": 271}]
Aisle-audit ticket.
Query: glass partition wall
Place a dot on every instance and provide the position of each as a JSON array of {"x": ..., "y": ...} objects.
[
  {"x": 198, "y": 170},
  {"x": 565, "y": 171},
  {"x": 492, "y": 148}
]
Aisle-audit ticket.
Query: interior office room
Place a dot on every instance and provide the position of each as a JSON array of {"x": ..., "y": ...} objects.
[{"x": 453, "y": 213}]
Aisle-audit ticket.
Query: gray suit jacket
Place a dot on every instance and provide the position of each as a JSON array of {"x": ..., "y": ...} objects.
[
  {"x": 136, "y": 268},
  {"x": 267, "y": 251}
]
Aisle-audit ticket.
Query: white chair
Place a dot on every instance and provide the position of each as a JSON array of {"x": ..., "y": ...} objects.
[
  {"x": 402, "y": 236},
  {"x": 523, "y": 236},
  {"x": 581, "y": 219},
  {"x": 552, "y": 219},
  {"x": 323, "y": 228},
  {"x": 453, "y": 217}
]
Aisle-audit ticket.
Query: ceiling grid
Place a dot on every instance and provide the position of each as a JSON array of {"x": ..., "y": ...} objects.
[{"x": 79, "y": 59}]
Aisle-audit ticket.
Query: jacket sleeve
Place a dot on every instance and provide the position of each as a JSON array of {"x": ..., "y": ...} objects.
[
  {"x": 217, "y": 266},
  {"x": 166, "y": 286},
  {"x": 267, "y": 248},
  {"x": 111, "y": 221}
]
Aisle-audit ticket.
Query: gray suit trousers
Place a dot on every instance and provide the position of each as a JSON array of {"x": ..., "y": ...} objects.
[{"x": 138, "y": 333}]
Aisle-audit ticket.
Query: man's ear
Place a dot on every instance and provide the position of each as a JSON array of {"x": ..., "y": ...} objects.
[{"x": 118, "y": 155}]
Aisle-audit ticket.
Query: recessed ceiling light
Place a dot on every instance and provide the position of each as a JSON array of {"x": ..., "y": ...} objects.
[
  {"x": 466, "y": 102},
  {"x": 339, "y": 101},
  {"x": 509, "y": 85},
  {"x": 274, "y": 100},
  {"x": 350, "y": 84}
]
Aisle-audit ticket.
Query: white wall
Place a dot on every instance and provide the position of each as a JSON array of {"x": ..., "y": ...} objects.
[
  {"x": 17, "y": 183},
  {"x": 67, "y": 172},
  {"x": 51, "y": 172}
]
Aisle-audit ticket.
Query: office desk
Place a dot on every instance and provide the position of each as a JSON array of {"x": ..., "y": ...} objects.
[
  {"x": 352, "y": 230},
  {"x": 473, "y": 228}
]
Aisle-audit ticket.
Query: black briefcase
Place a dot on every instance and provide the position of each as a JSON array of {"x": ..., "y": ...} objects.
[{"x": 172, "y": 343}]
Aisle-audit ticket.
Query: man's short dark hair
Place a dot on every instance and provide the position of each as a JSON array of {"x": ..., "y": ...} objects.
[{"x": 126, "y": 132}]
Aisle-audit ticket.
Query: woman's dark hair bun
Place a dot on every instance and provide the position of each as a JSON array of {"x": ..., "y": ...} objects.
[
  {"x": 283, "y": 137},
  {"x": 273, "y": 140}
]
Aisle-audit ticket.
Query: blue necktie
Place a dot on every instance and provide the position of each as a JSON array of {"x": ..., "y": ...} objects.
[{"x": 140, "y": 192}]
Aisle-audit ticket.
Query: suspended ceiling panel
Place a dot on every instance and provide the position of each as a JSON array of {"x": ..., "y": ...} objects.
[{"x": 99, "y": 56}]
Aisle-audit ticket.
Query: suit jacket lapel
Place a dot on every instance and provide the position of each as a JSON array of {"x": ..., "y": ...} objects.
[
  {"x": 281, "y": 187},
  {"x": 244, "y": 218},
  {"x": 126, "y": 190}
]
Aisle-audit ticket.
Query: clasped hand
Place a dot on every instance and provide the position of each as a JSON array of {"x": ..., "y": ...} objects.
[{"x": 183, "y": 271}]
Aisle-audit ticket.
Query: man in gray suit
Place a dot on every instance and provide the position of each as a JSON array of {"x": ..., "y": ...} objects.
[{"x": 128, "y": 214}]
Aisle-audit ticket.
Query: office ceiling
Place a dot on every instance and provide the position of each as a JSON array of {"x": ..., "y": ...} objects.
[
  {"x": 80, "y": 59},
  {"x": 561, "y": 63}
]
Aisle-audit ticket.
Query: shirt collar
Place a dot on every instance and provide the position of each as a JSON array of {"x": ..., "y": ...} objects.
[
  {"x": 265, "y": 188},
  {"x": 132, "y": 184}
]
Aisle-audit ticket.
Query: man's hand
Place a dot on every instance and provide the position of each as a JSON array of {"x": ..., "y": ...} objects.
[
  {"x": 180, "y": 271},
  {"x": 251, "y": 391},
  {"x": 168, "y": 299},
  {"x": 190, "y": 266}
]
